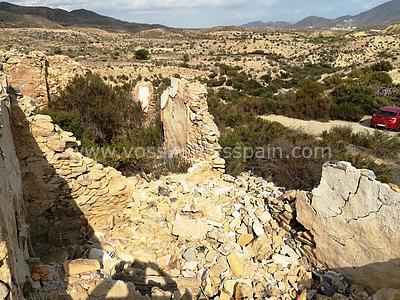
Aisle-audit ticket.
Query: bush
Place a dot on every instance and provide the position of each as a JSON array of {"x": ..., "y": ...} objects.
[
  {"x": 142, "y": 54},
  {"x": 383, "y": 66},
  {"x": 309, "y": 102},
  {"x": 186, "y": 58},
  {"x": 352, "y": 101},
  {"x": 283, "y": 170},
  {"x": 106, "y": 112},
  {"x": 68, "y": 120},
  {"x": 378, "y": 144}
]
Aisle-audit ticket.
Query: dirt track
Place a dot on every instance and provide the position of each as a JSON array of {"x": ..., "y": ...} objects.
[{"x": 317, "y": 128}]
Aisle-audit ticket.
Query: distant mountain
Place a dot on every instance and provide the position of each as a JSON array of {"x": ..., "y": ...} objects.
[
  {"x": 12, "y": 15},
  {"x": 261, "y": 24},
  {"x": 313, "y": 21},
  {"x": 382, "y": 15}
]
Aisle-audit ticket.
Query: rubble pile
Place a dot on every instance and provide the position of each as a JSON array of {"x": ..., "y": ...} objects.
[{"x": 203, "y": 235}]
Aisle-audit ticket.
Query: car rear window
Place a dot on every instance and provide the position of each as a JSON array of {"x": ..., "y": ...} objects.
[{"x": 385, "y": 113}]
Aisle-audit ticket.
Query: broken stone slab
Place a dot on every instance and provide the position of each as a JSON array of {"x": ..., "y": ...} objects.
[
  {"x": 190, "y": 255},
  {"x": 4, "y": 290},
  {"x": 258, "y": 229},
  {"x": 236, "y": 265},
  {"x": 284, "y": 261},
  {"x": 165, "y": 98},
  {"x": 307, "y": 213},
  {"x": 244, "y": 240},
  {"x": 98, "y": 254},
  {"x": 174, "y": 87},
  {"x": 78, "y": 266},
  {"x": 44, "y": 129},
  {"x": 386, "y": 294},
  {"x": 134, "y": 253},
  {"x": 186, "y": 227}
]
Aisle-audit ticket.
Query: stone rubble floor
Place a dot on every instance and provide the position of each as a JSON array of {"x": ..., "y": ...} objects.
[{"x": 199, "y": 235}]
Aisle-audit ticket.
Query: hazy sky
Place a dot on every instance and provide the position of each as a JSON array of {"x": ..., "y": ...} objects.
[{"x": 206, "y": 13}]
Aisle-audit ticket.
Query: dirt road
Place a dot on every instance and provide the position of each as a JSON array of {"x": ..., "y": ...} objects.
[{"x": 317, "y": 128}]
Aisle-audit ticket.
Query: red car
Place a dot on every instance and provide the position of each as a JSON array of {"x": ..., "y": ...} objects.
[{"x": 387, "y": 117}]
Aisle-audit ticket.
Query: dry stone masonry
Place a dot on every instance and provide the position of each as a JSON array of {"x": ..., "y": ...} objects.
[
  {"x": 38, "y": 76},
  {"x": 68, "y": 195},
  {"x": 189, "y": 128}
]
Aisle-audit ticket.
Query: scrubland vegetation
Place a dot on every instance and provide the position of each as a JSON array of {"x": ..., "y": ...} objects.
[
  {"x": 104, "y": 117},
  {"x": 299, "y": 92},
  {"x": 249, "y": 74},
  {"x": 345, "y": 96},
  {"x": 110, "y": 126}
]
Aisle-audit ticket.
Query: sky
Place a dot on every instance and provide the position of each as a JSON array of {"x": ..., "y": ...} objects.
[{"x": 208, "y": 13}]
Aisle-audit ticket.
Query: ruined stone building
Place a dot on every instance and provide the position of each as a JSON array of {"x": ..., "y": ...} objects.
[{"x": 72, "y": 228}]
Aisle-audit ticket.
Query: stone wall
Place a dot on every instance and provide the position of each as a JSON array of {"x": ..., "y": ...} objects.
[
  {"x": 355, "y": 221},
  {"x": 69, "y": 196},
  {"x": 189, "y": 129},
  {"x": 39, "y": 76},
  {"x": 144, "y": 94},
  {"x": 14, "y": 232}
]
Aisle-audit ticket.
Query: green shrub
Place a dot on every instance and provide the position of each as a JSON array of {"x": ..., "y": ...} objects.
[
  {"x": 58, "y": 51},
  {"x": 352, "y": 101},
  {"x": 68, "y": 120},
  {"x": 378, "y": 144},
  {"x": 142, "y": 54},
  {"x": 384, "y": 66},
  {"x": 106, "y": 112},
  {"x": 309, "y": 102}
]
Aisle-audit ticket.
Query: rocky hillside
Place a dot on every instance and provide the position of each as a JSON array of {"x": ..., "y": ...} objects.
[
  {"x": 12, "y": 15},
  {"x": 393, "y": 29}
]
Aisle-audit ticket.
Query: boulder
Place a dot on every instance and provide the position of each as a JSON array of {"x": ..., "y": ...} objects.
[{"x": 355, "y": 221}]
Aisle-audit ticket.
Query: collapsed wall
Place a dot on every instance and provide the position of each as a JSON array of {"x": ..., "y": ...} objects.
[
  {"x": 355, "y": 221},
  {"x": 189, "y": 129},
  {"x": 14, "y": 231},
  {"x": 143, "y": 93},
  {"x": 69, "y": 196},
  {"x": 38, "y": 76}
]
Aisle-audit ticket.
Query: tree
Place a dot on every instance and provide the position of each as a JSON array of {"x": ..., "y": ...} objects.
[{"x": 142, "y": 54}]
